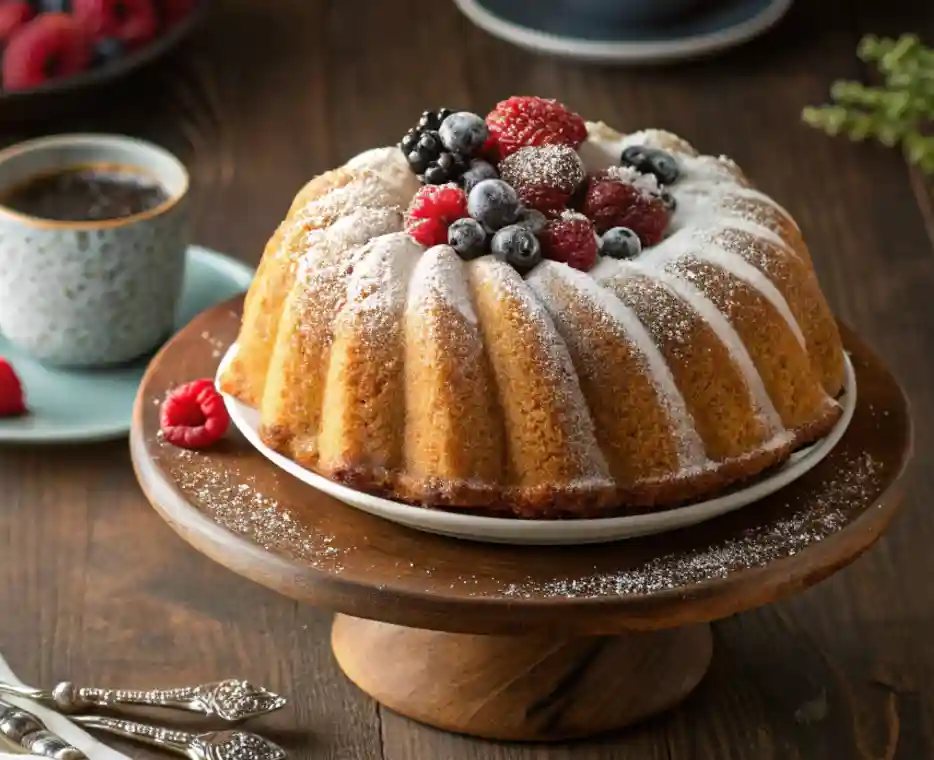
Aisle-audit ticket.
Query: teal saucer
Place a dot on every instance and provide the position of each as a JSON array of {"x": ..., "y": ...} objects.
[{"x": 71, "y": 406}]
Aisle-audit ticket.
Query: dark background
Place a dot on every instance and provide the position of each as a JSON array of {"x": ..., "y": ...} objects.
[{"x": 95, "y": 587}]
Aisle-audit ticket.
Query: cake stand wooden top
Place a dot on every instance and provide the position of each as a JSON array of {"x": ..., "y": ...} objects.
[{"x": 236, "y": 507}]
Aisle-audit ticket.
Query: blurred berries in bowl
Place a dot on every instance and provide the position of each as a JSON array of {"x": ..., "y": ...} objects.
[{"x": 48, "y": 44}]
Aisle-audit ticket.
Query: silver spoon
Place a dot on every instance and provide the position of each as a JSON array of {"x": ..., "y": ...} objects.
[
  {"x": 212, "y": 745},
  {"x": 231, "y": 700},
  {"x": 25, "y": 730}
]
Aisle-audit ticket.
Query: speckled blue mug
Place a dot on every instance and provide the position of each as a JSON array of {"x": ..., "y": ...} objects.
[{"x": 91, "y": 293}]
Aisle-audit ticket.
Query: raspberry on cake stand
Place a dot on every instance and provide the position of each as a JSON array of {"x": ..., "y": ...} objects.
[{"x": 518, "y": 642}]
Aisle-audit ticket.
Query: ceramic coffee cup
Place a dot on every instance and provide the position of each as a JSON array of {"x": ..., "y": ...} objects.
[{"x": 91, "y": 293}]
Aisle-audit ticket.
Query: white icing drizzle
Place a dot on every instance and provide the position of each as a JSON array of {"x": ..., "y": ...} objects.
[
  {"x": 721, "y": 327},
  {"x": 690, "y": 446},
  {"x": 701, "y": 245},
  {"x": 440, "y": 276}
]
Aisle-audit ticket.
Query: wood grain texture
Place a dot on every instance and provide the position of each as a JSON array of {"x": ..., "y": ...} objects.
[{"x": 270, "y": 93}]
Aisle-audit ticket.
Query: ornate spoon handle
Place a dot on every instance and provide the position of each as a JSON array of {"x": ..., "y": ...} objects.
[
  {"x": 231, "y": 700},
  {"x": 26, "y": 730},
  {"x": 214, "y": 745}
]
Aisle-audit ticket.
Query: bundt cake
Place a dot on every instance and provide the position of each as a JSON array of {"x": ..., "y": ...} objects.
[{"x": 533, "y": 315}]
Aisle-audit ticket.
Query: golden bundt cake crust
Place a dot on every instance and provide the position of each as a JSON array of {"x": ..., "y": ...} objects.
[{"x": 642, "y": 384}]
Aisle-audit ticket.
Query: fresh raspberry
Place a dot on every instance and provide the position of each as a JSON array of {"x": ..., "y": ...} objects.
[
  {"x": 13, "y": 15},
  {"x": 49, "y": 47},
  {"x": 545, "y": 177},
  {"x": 12, "y": 400},
  {"x": 523, "y": 121},
  {"x": 133, "y": 21},
  {"x": 571, "y": 239},
  {"x": 193, "y": 416},
  {"x": 625, "y": 198},
  {"x": 433, "y": 209},
  {"x": 174, "y": 11}
]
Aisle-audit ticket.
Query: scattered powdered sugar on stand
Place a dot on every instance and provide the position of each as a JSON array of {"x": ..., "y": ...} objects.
[
  {"x": 826, "y": 511},
  {"x": 233, "y": 500}
]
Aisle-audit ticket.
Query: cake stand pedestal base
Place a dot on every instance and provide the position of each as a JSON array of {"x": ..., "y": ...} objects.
[{"x": 535, "y": 687}]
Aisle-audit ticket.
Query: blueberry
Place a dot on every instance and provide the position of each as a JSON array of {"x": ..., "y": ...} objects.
[
  {"x": 516, "y": 245},
  {"x": 417, "y": 161},
  {"x": 429, "y": 144},
  {"x": 435, "y": 175},
  {"x": 493, "y": 203},
  {"x": 478, "y": 171},
  {"x": 442, "y": 113},
  {"x": 664, "y": 167},
  {"x": 652, "y": 161},
  {"x": 52, "y": 6},
  {"x": 620, "y": 243},
  {"x": 532, "y": 219},
  {"x": 464, "y": 132},
  {"x": 468, "y": 238},
  {"x": 108, "y": 50}
]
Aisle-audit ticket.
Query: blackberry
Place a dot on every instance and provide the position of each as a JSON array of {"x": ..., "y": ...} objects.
[{"x": 426, "y": 153}]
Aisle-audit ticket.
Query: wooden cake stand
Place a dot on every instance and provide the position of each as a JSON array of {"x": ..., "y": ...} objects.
[{"x": 512, "y": 642}]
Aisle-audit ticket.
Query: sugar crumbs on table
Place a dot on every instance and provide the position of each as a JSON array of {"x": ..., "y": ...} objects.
[
  {"x": 233, "y": 500},
  {"x": 824, "y": 512}
]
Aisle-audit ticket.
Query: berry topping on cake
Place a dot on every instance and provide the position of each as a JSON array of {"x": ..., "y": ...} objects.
[
  {"x": 468, "y": 238},
  {"x": 464, "y": 133},
  {"x": 493, "y": 203},
  {"x": 523, "y": 121},
  {"x": 652, "y": 161},
  {"x": 545, "y": 177},
  {"x": 13, "y": 15},
  {"x": 479, "y": 170},
  {"x": 433, "y": 209},
  {"x": 570, "y": 239},
  {"x": 620, "y": 243},
  {"x": 517, "y": 246},
  {"x": 48, "y": 47},
  {"x": 193, "y": 416},
  {"x": 624, "y": 198},
  {"x": 12, "y": 399},
  {"x": 438, "y": 149}
]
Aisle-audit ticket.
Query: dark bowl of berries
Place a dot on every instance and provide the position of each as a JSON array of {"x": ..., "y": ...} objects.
[{"x": 50, "y": 47}]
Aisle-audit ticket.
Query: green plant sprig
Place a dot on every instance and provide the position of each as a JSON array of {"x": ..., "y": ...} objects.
[{"x": 898, "y": 112}]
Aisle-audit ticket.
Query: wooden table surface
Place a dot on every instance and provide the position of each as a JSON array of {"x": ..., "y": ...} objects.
[{"x": 96, "y": 588}]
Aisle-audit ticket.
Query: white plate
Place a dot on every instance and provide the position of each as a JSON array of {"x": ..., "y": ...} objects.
[
  {"x": 721, "y": 27},
  {"x": 547, "y": 532}
]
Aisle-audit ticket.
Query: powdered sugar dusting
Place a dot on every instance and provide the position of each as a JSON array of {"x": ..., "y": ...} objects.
[
  {"x": 235, "y": 501},
  {"x": 724, "y": 331},
  {"x": 542, "y": 280},
  {"x": 441, "y": 276},
  {"x": 376, "y": 290},
  {"x": 646, "y": 184},
  {"x": 705, "y": 247},
  {"x": 330, "y": 244},
  {"x": 810, "y": 518}
]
